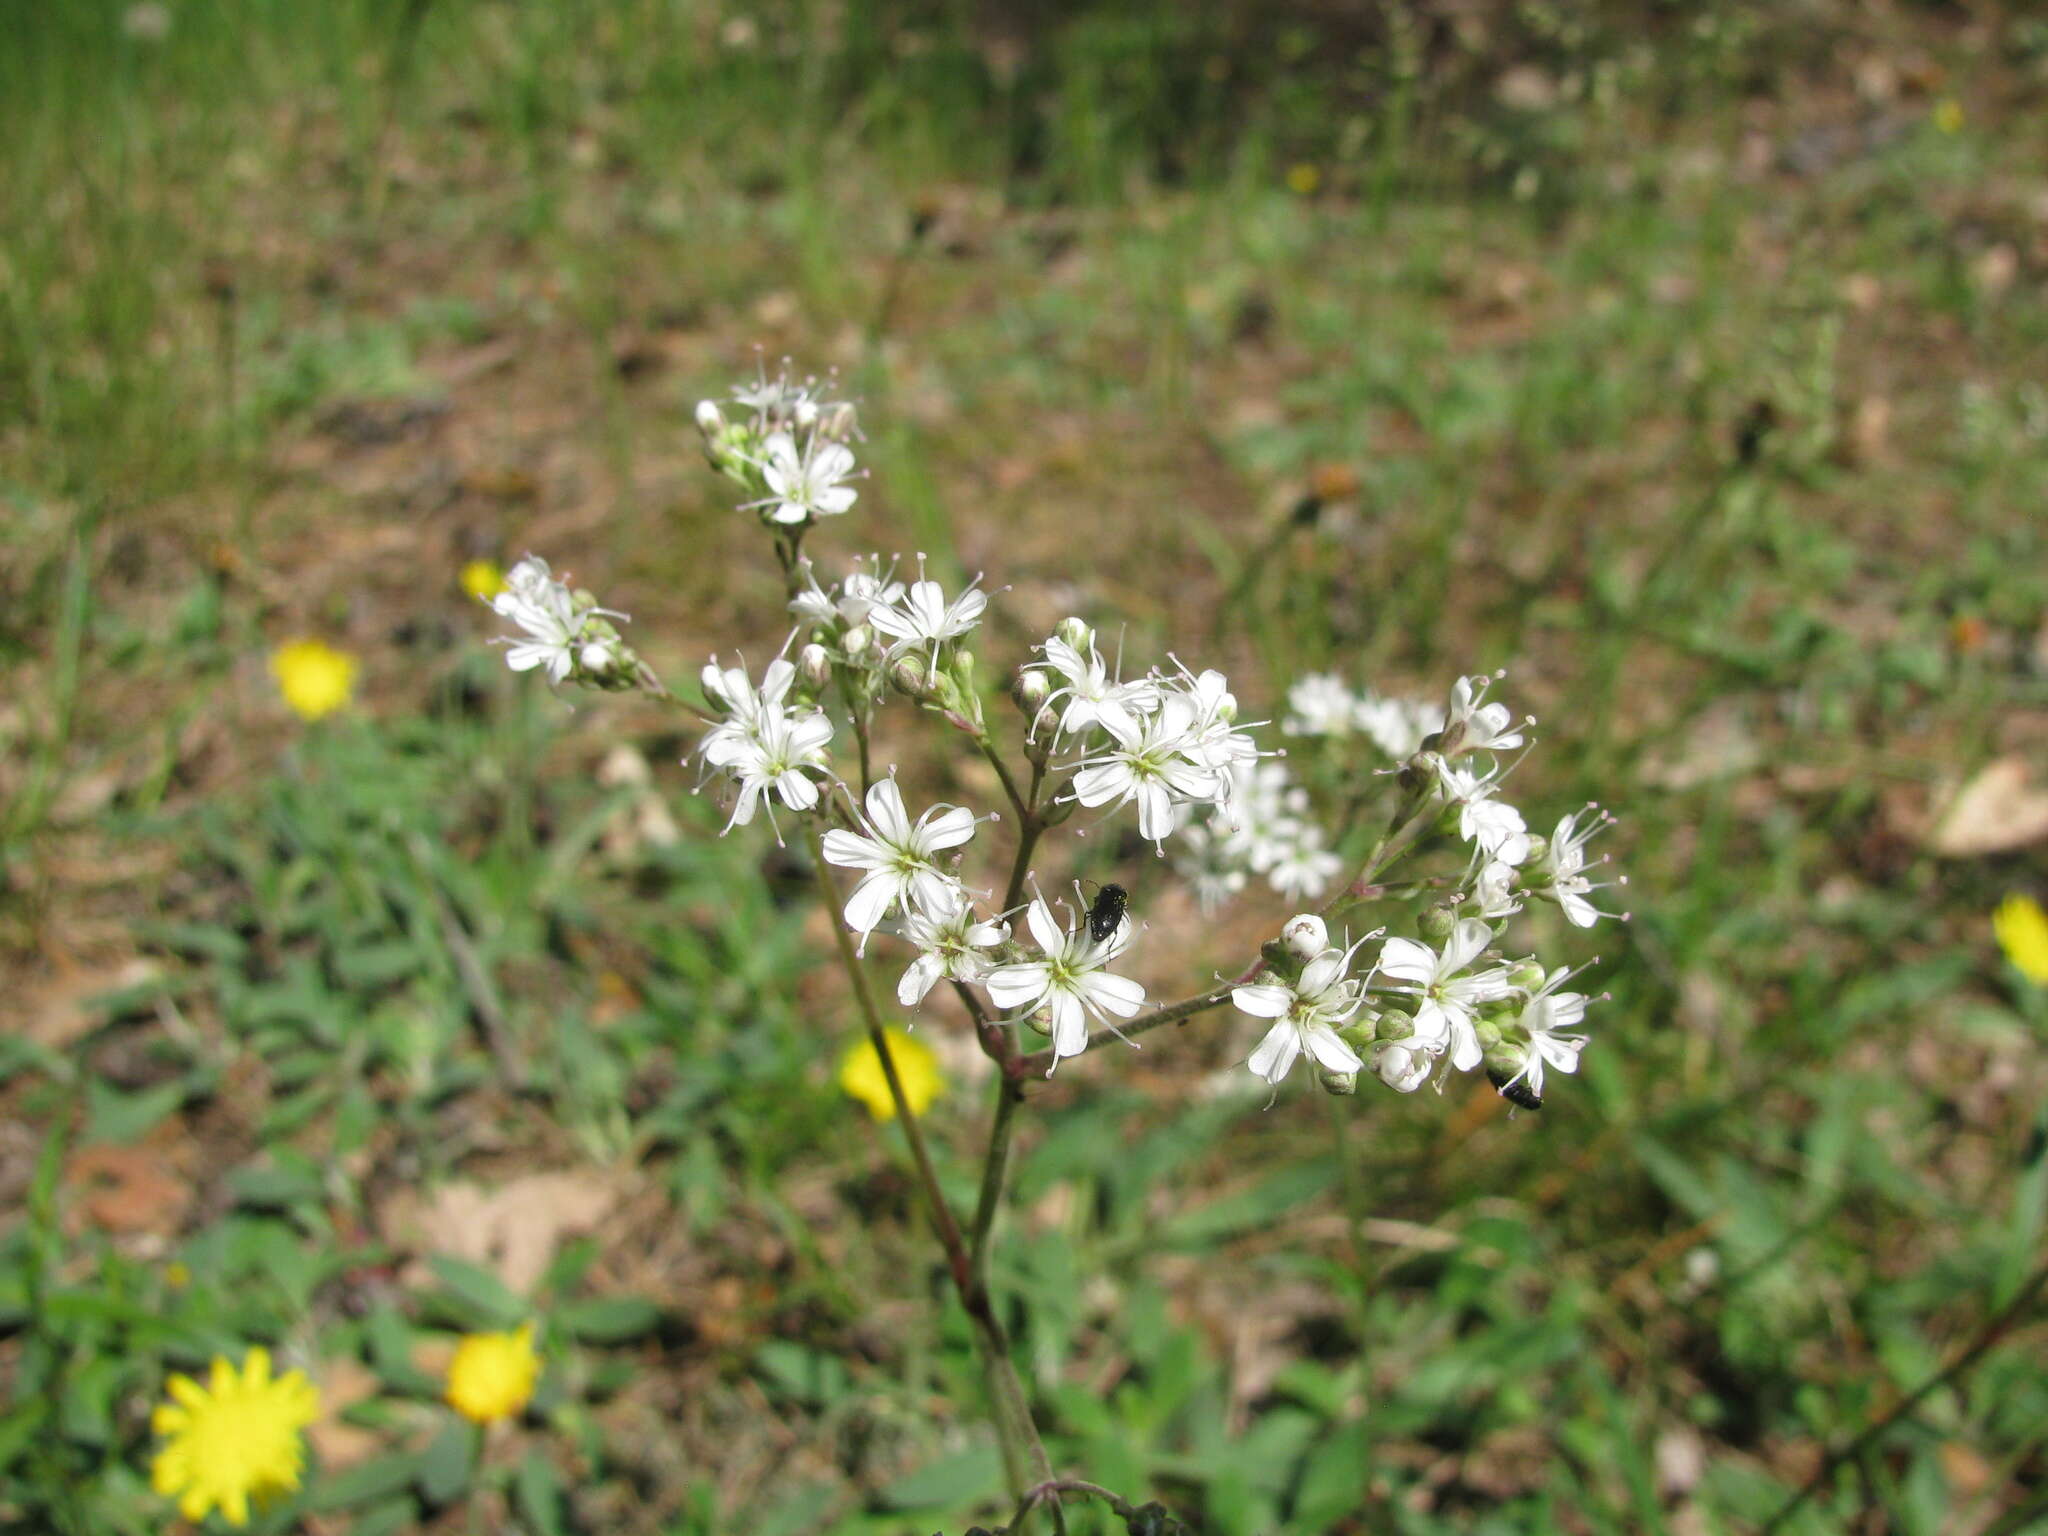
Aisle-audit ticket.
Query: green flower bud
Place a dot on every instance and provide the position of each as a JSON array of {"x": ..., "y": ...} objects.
[
  {"x": 1395, "y": 1024},
  {"x": 1528, "y": 976},
  {"x": 1075, "y": 633},
  {"x": 1360, "y": 1033},
  {"x": 906, "y": 674},
  {"x": 1341, "y": 1085},
  {"x": 1437, "y": 921}
]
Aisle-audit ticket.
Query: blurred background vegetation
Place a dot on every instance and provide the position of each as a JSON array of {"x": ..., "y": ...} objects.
[{"x": 1684, "y": 359}]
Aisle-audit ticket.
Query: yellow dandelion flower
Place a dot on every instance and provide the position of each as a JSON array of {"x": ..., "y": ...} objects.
[
  {"x": 1948, "y": 116},
  {"x": 860, "y": 1073},
  {"x": 1304, "y": 180},
  {"x": 234, "y": 1440},
  {"x": 482, "y": 578},
  {"x": 2022, "y": 929},
  {"x": 313, "y": 676},
  {"x": 492, "y": 1374}
]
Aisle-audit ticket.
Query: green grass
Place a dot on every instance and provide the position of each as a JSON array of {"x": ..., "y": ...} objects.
[{"x": 301, "y": 309}]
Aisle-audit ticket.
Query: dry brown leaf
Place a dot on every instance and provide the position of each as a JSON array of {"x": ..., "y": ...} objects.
[
  {"x": 513, "y": 1229},
  {"x": 128, "y": 1189},
  {"x": 61, "y": 1009},
  {"x": 344, "y": 1381},
  {"x": 1997, "y": 810}
]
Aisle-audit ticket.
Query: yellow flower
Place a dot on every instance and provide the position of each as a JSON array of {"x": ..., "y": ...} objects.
[
  {"x": 492, "y": 1374},
  {"x": 1304, "y": 180},
  {"x": 860, "y": 1073},
  {"x": 234, "y": 1439},
  {"x": 313, "y": 676},
  {"x": 482, "y": 578},
  {"x": 1948, "y": 116},
  {"x": 2022, "y": 929}
]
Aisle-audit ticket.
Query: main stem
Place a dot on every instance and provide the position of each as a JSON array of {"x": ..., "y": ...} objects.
[{"x": 1024, "y": 1460}]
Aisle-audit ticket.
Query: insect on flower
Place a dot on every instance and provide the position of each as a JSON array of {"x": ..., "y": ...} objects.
[{"x": 1111, "y": 902}]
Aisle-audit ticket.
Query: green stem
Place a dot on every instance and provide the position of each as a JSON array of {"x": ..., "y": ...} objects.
[
  {"x": 995, "y": 759},
  {"x": 1023, "y": 1451},
  {"x": 993, "y": 1172}
]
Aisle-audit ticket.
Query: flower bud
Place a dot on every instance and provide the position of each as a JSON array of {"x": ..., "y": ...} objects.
[
  {"x": 837, "y": 422},
  {"x": 1030, "y": 690},
  {"x": 1395, "y": 1024},
  {"x": 906, "y": 674},
  {"x": 710, "y": 419},
  {"x": 857, "y": 642},
  {"x": 1403, "y": 1068},
  {"x": 814, "y": 666},
  {"x": 1486, "y": 1029},
  {"x": 1075, "y": 633},
  {"x": 1359, "y": 1034},
  {"x": 1305, "y": 935},
  {"x": 1539, "y": 849},
  {"x": 806, "y": 412},
  {"x": 1045, "y": 725},
  {"x": 1527, "y": 976},
  {"x": 1437, "y": 921},
  {"x": 1340, "y": 1085},
  {"x": 595, "y": 659}
]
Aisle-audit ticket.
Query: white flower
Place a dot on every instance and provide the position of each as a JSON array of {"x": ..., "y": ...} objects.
[
  {"x": 1562, "y": 877},
  {"x": 542, "y": 606},
  {"x": 1471, "y": 726},
  {"x": 1068, "y": 982},
  {"x": 952, "y": 945},
  {"x": 899, "y": 857},
  {"x": 1398, "y": 726},
  {"x": 1218, "y": 743},
  {"x": 1321, "y": 704},
  {"x": 1494, "y": 891},
  {"x": 846, "y": 606},
  {"x": 1446, "y": 1000},
  {"x": 1303, "y": 869},
  {"x": 1494, "y": 826},
  {"x": 770, "y": 753},
  {"x": 1204, "y": 857},
  {"x": 922, "y": 616},
  {"x": 1092, "y": 694},
  {"x": 1306, "y": 1014},
  {"x": 1548, "y": 1016},
  {"x": 1403, "y": 1065},
  {"x": 733, "y": 691},
  {"x": 1150, "y": 763},
  {"x": 804, "y": 483}
]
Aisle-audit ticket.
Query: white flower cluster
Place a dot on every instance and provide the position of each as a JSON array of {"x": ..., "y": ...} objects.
[
  {"x": 1168, "y": 742},
  {"x": 563, "y": 633},
  {"x": 1455, "y": 1001},
  {"x": 764, "y": 745},
  {"x": 1065, "y": 985},
  {"x": 1459, "y": 1005},
  {"x": 1322, "y": 704},
  {"x": 789, "y": 449},
  {"x": 1265, "y": 828},
  {"x": 870, "y": 629}
]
